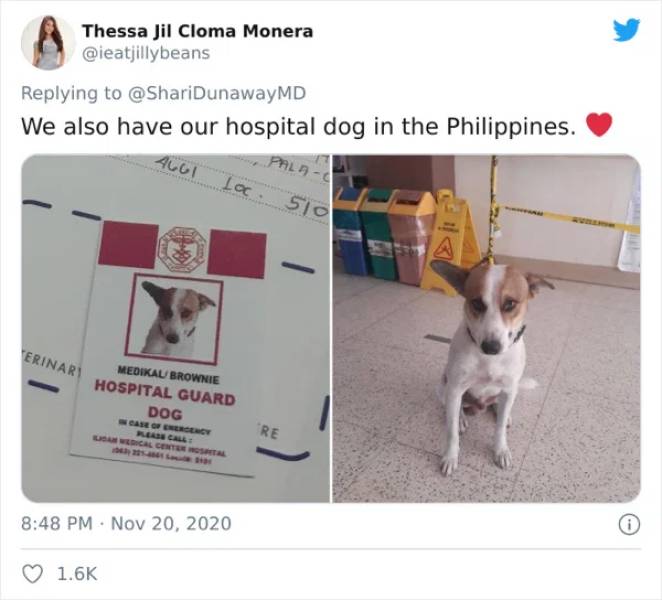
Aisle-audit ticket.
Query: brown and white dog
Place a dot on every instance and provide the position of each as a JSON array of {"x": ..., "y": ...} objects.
[
  {"x": 172, "y": 332},
  {"x": 487, "y": 355}
]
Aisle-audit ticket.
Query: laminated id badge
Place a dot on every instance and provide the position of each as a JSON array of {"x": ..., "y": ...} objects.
[{"x": 171, "y": 364}]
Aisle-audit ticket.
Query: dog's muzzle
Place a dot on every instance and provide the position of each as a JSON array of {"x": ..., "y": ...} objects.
[{"x": 491, "y": 347}]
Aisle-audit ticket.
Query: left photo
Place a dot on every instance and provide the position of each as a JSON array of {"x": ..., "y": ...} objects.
[{"x": 176, "y": 328}]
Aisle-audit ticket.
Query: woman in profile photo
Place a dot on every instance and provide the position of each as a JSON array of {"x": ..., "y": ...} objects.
[{"x": 48, "y": 49}]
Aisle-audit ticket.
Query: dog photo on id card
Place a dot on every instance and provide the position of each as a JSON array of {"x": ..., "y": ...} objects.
[{"x": 174, "y": 318}]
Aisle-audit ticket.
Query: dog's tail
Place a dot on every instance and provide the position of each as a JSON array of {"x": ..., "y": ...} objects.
[{"x": 527, "y": 383}]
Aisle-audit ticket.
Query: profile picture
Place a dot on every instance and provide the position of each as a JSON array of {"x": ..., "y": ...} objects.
[
  {"x": 174, "y": 318},
  {"x": 48, "y": 42}
]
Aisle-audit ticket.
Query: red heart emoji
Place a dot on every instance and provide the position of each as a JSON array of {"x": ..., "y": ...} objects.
[{"x": 599, "y": 124}]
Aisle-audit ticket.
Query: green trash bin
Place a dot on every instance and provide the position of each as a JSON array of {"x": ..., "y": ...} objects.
[
  {"x": 349, "y": 229},
  {"x": 374, "y": 215}
]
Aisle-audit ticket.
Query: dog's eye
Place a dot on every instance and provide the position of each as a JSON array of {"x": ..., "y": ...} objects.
[
  {"x": 509, "y": 305},
  {"x": 186, "y": 313},
  {"x": 478, "y": 305},
  {"x": 166, "y": 312}
]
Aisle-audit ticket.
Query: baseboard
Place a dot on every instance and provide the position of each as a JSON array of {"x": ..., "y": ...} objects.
[{"x": 584, "y": 273}]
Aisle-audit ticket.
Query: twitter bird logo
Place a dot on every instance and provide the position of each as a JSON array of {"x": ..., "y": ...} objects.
[{"x": 626, "y": 32}]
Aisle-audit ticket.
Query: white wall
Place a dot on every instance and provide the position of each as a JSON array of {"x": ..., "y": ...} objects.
[{"x": 598, "y": 187}]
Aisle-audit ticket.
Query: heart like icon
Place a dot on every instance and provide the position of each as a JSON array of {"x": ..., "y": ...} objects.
[
  {"x": 599, "y": 124},
  {"x": 33, "y": 572}
]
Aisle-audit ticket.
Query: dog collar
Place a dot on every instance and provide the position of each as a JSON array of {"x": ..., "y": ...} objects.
[
  {"x": 520, "y": 333},
  {"x": 190, "y": 333}
]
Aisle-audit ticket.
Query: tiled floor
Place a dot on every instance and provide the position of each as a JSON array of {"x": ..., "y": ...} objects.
[{"x": 574, "y": 439}]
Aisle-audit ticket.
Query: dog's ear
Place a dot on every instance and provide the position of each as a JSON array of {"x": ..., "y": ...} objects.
[
  {"x": 536, "y": 282},
  {"x": 154, "y": 291},
  {"x": 454, "y": 275},
  {"x": 205, "y": 301}
]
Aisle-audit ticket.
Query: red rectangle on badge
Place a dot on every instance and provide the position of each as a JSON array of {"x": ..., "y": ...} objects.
[
  {"x": 237, "y": 253},
  {"x": 128, "y": 244}
]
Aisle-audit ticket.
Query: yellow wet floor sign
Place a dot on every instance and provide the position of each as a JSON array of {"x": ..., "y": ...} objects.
[
  {"x": 445, "y": 250},
  {"x": 453, "y": 240}
]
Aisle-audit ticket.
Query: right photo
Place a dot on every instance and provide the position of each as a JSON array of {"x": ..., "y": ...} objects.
[{"x": 486, "y": 328}]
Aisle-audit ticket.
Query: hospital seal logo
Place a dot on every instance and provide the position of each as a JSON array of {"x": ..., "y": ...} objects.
[{"x": 182, "y": 249}]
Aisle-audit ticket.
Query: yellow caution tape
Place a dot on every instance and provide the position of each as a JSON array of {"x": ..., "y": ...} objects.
[
  {"x": 494, "y": 210},
  {"x": 572, "y": 219},
  {"x": 495, "y": 207}
]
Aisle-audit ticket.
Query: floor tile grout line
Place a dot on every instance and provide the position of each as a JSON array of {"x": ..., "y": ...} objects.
[
  {"x": 411, "y": 417},
  {"x": 354, "y": 295},
  {"x": 438, "y": 456},
  {"x": 636, "y": 402},
  {"x": 378, "y": 320},
  {"x": 373, "y": 451},
  {"x": 542, "y": 407},
  {"x": 401, "y": 348},
  {"x": 393, "y": 346},
  {"x": 372, "y": 431},
  {"x": 391, "y": 441},
  {"x": 379, "y": 440},
  {"x": 386, "y": 441},
  {"x": 428, "y": 454}
]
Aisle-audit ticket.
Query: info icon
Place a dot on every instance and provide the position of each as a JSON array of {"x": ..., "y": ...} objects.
[{"x": 629, "y": 524}]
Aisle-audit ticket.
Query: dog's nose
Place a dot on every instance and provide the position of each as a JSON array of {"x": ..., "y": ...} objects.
[
  {"x": 491, "y": 347},
  {"x": 173, "y": 338}
]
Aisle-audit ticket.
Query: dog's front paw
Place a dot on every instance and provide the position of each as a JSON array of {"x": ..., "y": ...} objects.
[
  {"x": 449, "y": 463},
  {"x": 503, "y": 458}
]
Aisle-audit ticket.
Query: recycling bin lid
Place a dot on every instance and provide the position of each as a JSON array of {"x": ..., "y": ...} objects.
[
  {"x": 412, "y": 203},
  {"x": 349, "y": 198},
  {"x": 378, "y": 200}
]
